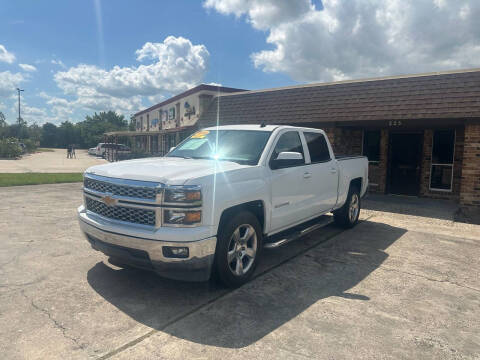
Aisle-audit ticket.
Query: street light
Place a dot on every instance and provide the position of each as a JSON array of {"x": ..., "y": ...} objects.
[{"x": 19, "y": 117}]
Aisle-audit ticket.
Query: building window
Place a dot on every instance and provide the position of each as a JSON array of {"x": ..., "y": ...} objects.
[
  {"x": 441, "y": 170},
  {"x": 317, "y": 147},
  {"x": 148, "y": 122},
  {"x": 371, "y": 145}
]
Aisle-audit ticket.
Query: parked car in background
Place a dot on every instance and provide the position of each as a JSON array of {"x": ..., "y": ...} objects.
[
  {"x": 100, "y": 150},
  {"x": 92, "y": 151},
  {"x": 123, "y": 149},
  {"x": 217, "y": 199},
  {"x": 119, "y": 148}
]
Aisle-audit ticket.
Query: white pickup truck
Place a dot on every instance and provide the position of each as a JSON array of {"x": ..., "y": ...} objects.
[{"x": 216, "y": 200}]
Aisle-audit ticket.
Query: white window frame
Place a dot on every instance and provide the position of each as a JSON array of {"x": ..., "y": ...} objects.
[{"x": 432, "y": 164}]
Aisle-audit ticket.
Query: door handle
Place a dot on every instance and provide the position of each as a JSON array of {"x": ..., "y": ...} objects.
[
  {"x": 307, "y": 175},
  {"x": 333, "y": 171}
]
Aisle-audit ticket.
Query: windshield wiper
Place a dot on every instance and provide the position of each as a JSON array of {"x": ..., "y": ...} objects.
[{"x": 183, "y": 157}]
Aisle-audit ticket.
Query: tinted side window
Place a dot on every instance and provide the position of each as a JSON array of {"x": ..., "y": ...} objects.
[
  {"x": 289, "y": 141},
  {"x": 317, "y": 146}
]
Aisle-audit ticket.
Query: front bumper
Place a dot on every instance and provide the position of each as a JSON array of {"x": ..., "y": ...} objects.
[{"x": 148, "y": 254}]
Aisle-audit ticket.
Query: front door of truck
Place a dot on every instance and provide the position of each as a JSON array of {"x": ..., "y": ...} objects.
[
  {"x": 324, "y": 172},
  {"x": 288, "y": 184}
]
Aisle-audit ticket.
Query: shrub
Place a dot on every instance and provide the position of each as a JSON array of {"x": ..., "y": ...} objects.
[
  {"x": 30, "y": 144},
  {"x": 10, "y": 148}
]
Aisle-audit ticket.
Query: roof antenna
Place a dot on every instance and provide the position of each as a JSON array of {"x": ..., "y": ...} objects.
[{"x": 262, "y": 125}]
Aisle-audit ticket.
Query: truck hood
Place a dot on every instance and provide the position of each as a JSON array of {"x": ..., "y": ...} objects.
[{"x": 172, "y": 171}]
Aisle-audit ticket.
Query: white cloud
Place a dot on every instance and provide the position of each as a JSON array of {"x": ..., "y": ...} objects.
[
  {"x": 155, "y": 99},
  {"x": 59, "y": 63},
  {"x": 262, "y": 14},
  {"x": 356, "y": 38},
  {"x": 6, "y": 56},
  {"x": 175, "y": 65},
  {"x": 9, "y": 82},
  {"x": 27, "y": 67}
]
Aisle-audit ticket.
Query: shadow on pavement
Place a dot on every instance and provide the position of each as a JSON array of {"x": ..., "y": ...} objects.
[
  {"x": 411, "y": 205},
  {"x": 199, "y": 312}
]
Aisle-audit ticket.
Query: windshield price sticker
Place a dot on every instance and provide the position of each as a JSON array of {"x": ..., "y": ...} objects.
[{"x": 200, "y": 134}]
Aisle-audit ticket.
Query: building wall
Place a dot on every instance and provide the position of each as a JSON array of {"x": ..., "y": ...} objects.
[
  {"x": 377, "y": 171},
  {"x": 426, "y": 166},
  {"x": 180, "y": 113},
  {"x": 349, "y": 141},
  {"x": 470, "y": 179}
]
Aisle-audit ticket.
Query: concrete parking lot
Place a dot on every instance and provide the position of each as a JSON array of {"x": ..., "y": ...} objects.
[
  {"x": 51, "y": 162},
  {"x": 403, "y": 284}
]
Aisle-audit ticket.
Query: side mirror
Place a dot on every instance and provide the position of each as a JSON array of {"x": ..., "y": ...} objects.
[
  {"x": 171, "y": 149},
  {"x": 289, "y": 155},
  {"x": 287, "y": 159}
]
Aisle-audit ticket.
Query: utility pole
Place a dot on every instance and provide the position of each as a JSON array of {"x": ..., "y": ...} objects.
[{"x": 19, "y": 117}]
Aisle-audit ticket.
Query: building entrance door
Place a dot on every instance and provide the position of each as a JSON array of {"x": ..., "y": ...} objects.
[{"x": 405, "y": 154}]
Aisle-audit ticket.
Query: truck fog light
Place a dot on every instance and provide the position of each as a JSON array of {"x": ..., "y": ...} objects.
[
  {"x": 175, "y": 252},
  {"x": 182, "y": 217}
]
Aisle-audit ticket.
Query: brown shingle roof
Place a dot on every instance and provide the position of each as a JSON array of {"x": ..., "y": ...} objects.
[{"x": 453, "y": 94}]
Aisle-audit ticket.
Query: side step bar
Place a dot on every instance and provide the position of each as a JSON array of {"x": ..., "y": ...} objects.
[{"x": 298, "y": 231}]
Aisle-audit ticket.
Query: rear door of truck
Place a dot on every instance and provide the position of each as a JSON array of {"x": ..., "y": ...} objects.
[{"x": 323, "y": 169}]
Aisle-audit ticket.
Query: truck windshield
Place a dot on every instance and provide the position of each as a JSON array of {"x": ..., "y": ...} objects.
[{"x": 241, "y": 146}]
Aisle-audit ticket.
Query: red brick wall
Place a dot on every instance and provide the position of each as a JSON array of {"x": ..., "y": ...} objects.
[
  {"x": 377, "y": 172},
  {"x": 349, "y": 141},
  {"x": 470, "y": 181},
  {"x": 466, "y": 169}
]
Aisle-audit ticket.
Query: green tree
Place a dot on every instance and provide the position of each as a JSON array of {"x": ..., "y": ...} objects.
[
  {"x": 3, "y": 121},
  {"x": 3, "y": 126},
  {"x": 133, "y": 123},
  {"x": 35, "y": 133},
  {"x": 49, "y": 135},
  {"x": 68, "y": 133},
  {"x": 93, "y": 127}
]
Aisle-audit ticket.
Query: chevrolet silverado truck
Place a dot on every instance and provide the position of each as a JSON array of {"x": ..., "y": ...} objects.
[{"x": 214, "y": 202}]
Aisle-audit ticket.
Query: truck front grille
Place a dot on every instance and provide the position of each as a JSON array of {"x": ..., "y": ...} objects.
[
  {"x": 122, "y": 213},
  {"x": 139, "y": 192}
]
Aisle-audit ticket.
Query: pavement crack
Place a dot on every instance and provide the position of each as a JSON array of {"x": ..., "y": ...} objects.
[
  {"x": 55, "y": 322},
  {"x": 137, "y": 340},
  {"x": 386, "y": 268}
]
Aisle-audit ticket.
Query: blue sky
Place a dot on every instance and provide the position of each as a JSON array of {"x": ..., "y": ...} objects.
[{"x": 77, "y": 57}]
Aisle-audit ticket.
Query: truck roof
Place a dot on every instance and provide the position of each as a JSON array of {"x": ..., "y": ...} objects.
[{"x": 247, "y": 127}]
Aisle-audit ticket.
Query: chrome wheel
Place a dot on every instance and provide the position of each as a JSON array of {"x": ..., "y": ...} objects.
[
  {"x": 242, "y": 249},
  {"x": 354, "y": 208}
]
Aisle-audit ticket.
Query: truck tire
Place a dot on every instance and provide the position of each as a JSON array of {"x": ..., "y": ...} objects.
[
  {"x": 347, "y": 215},
  {"x": 239, "y": 246}
]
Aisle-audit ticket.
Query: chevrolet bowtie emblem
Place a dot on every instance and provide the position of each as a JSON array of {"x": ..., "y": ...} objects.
[{"x": 109, "y": 201}]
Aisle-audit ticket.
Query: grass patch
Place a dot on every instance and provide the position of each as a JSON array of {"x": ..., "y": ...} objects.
[
  {"x": 44, "y": 150},
  {"x": 39, "y": 178}
]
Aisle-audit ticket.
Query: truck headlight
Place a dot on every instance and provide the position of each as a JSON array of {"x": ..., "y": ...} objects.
[
  {"x": 183, "y": 195},
  {"x": 181, "y": 217}
]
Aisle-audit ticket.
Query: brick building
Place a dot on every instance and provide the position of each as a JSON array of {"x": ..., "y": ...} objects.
[
  {"x": 421, "y": 133},
  {"x": 165, "y": 124}
]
